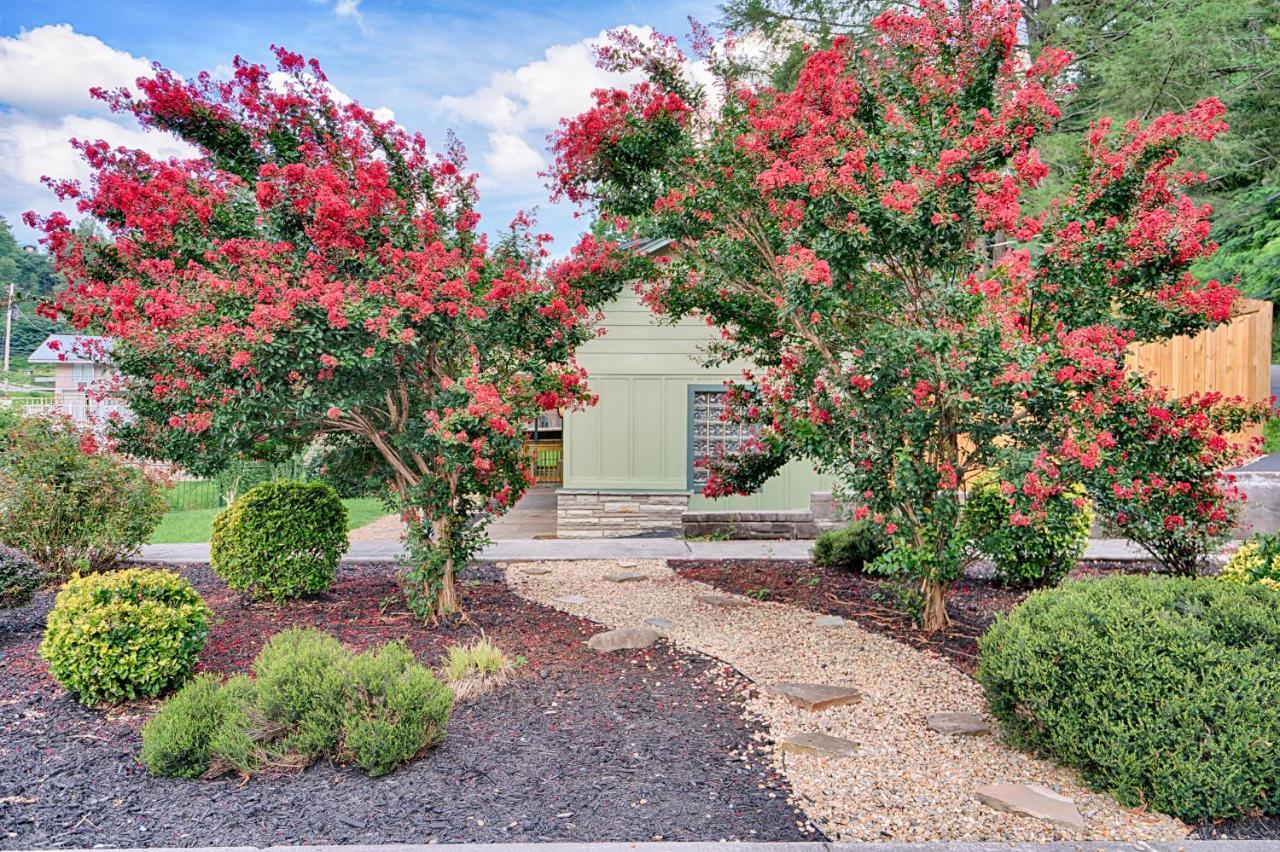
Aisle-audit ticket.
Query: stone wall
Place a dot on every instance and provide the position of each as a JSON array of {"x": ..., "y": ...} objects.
[
  {"x": 617, "y": 514},
  {"x": 824, "y": 513}
]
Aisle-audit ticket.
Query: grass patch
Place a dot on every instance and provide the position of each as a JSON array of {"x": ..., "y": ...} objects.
[
  {"x": 192, "y": 526},
  {"x": 475, "y": 669},
  {"x": 1271, "y": 435}
]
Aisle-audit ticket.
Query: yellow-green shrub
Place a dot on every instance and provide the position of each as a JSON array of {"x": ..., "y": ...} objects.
[
  {"x": 125, "y": 634},
  {"x": 1046, "y": 542},
  {"x": 1256, "y": 561}
]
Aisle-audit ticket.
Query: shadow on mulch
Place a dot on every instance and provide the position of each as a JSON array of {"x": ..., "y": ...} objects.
[
  {"x": 580, "y": 747},
  {"x": 874, "y": 603}
]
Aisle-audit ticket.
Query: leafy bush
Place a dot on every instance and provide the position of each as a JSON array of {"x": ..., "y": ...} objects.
[
  {"x": 852, "y": 547},
  {"x": 310, "y": 698},
  {"x": 20, "y": 578},
  {"x": 280, "y": 539},
  {"x": 1033, "y": 541},
  {"x": 66, "y": 502},
  {"x": 1160, "y": 690},
  {"x": 124, "y": 635},
  {"x": 1256, "y": 561}
]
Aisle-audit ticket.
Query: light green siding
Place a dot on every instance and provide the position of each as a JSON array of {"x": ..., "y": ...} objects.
[{"x": 636, "y": 437}]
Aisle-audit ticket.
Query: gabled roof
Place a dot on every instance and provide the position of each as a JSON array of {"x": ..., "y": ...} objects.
[
  {"x": 72, "y": 349},
  {"x": 647, "y": 246}
]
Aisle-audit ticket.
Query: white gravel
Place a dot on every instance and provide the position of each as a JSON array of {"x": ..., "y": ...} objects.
[{"x": 906, "y": 783}]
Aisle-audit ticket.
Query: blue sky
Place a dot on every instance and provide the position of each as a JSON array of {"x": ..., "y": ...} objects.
[{"x": 499, "y": 73}]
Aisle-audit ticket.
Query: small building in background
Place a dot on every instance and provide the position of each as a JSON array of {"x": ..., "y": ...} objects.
[{"x": 80, "y": 364}]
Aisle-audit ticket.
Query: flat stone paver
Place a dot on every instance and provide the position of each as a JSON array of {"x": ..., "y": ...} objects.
[
  {"x": 828, "y": 621},
  {"x": 958, "y": 724},
  {"x": 1032, "y": 800},
  {"x": 659, "y": 623},
  {"x": 572, "y": 599},
  {"x": 728, "y": 601},
  {"x": 816, "y": 697},
  {"x": 535, "y": 571},
  {"x": 818, "y": 744},
  {"x": 625, "y": 576},
  {"x": 623, "y": 639}
]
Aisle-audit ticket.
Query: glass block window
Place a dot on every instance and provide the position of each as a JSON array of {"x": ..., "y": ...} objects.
[{"x": 709, "y": 435}]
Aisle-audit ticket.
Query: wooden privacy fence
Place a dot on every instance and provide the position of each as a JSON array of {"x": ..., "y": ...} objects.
[{"x": 1233, "y": 359}]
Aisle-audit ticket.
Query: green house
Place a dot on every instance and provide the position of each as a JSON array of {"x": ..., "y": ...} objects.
[{"x": 629, "y": 461}]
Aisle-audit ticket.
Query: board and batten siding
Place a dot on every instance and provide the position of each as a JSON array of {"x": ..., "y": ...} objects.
[{"x": 637, "y": 437}]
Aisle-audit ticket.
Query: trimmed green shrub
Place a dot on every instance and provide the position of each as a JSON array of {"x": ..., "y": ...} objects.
[
  {"x": 124, "y": 635},
  {"x": 1029, "y": 546},
  {"x": 1162, "y": 691},
  {"x": 20, "y": 578},
  {"x": 852, "y": 547},
  {"x": 310, "y": 698},
  {"x": 1256, "y": 561},
  {"x": 280, "y": 540},
  {"x": 66, "y": 502}
]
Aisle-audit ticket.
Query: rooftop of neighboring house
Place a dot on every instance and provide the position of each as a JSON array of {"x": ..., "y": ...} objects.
[{"x": 72, "y": 349}]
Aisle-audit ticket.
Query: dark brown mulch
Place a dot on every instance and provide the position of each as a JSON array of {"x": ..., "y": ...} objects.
[
  {"x": 580, "y": 747},
  {"x": 874, "y": 603}
]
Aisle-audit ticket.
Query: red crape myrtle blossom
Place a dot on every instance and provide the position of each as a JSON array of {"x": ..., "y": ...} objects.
[
  {"x": 863, "y": 240},
  {"x": 315, "y": 272}
]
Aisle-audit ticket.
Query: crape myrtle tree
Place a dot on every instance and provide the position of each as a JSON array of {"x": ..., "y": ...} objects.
[
  {"x": 314, "y": 271},
  {"x": 859, "y": 239}
]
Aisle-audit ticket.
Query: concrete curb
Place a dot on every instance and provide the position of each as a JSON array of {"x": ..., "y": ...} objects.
[{"x": 1057, "y": 846}]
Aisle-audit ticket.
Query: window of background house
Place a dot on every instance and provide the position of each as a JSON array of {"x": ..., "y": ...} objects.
[
  {"x": 709, "y": 435},
  {"x": 81, "y": 375}
]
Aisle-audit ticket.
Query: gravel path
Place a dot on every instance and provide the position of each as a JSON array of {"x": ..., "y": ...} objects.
[{"x": 906, "y": 783}]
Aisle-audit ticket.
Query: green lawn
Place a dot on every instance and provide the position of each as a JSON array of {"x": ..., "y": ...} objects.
[
  {"x": 1271, "y": 436},
  {"x": 193, "y": 525}
]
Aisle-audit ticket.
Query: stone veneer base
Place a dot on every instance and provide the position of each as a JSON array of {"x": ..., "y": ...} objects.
[{"x": 618, "y": 514}]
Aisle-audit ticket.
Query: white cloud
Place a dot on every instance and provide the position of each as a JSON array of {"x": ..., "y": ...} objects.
[
  {"x": 536, "y": 95},
  {"x": 347, "y": 9},
  {"x": 510, "y": 159},
  {"x": 49, "y": 70}
]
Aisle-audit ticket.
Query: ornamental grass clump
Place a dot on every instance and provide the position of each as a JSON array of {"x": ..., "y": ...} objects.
[
  {"x": 1256, "y": 561},
  {"x": 124, "y": 635},
  {"x": 1160, "y": 690},
  {"x": 870, "y": 242},
  {"x": 280, "y": 540},
  {"x": 475, "y": 669},
  {"x": 310, "y": 698}
]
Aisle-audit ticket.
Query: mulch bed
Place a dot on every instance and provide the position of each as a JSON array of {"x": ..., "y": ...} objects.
[
  {"x": 631, "y": 746},
  {"x": 874, "y": 603}
]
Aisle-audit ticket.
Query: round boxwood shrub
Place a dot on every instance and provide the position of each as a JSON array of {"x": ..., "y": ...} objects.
[
  {"x": 280, "y": 540},
  {"x": 20, "y": 578},
  {"x": 1028, "y": 546},
  {"x": 1162, "y": 691},
  {"x": 124, "y": 635},
  {"x": 852, "y": 547},
  {"x": 1256, "y": 561}
]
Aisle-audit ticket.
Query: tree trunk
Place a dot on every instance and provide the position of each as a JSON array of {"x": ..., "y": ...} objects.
[
  {"x": 934, "y": 616},
  {"x": 446, "y": 602}
]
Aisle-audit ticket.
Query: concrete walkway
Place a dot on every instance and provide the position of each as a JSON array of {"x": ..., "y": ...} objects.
[{"x": 537, "y": 550}]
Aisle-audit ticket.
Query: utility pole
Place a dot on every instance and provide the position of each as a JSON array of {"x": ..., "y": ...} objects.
[{"x": 8, "y": 327}]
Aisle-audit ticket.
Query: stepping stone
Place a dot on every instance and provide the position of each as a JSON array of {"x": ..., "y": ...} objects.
[
  {"x": 628, "y": 563},
  {"x": 828, "y": 621},
  {"x": 1032, "y": 800},
  {"x": 622, "y": 639},
  {"x": 625, "y": 576},
  {"x": 814, "y": 696},
  {"x": 572, "y": 599},
  {"x": 723, "y": 600},
  {"x": 821, "y": 745},
  {"x": 659, "y": 623},
  {"x": 535, "y": 571},
  {"x": 958, "y": 724}
]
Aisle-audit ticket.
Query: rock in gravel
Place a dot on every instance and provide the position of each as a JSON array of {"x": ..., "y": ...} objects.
[
  {"x": 958, "y": 724},
  {"x": 828, "y": 621},
  {"x": 625, "y": 576},
  {"x": 815, "y": 696},
  {"x": 723, "y": 600},
  {"x": 659, "y": 623},
  {"x": 623, "y": 639},
  {"x": 535, "y": 570},
  {"x": 627, "y": 563},
  {"x": 572, "y": 599},
  {"x": 821, "y": 745},
  {"x": 1032, "y": 800}
]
